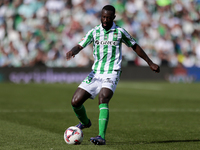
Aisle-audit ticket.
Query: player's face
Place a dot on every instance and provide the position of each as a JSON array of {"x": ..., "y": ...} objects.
[{"x": 107, "y": 18}]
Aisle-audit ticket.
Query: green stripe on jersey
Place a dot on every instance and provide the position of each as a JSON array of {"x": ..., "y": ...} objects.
[
  {"x": 97, "y": 52},
  {"x": 105, "y": 52},
  {"x": 125, "y": 38},
  {"x": 112, "y": 61},
  {"x": 88, "y": 38},
  {"x": 88, "y": 41}
]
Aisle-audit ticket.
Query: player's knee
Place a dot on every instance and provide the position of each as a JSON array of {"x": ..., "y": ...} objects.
[
  {"x": 104, "y": 100},
  {"x": 80, "y": 96},
  {"x": 105, "y": 96},
  {"x": 75, "y": 102}
]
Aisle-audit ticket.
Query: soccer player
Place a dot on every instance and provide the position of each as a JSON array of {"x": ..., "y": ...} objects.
[{"x": 103, "y": 79}]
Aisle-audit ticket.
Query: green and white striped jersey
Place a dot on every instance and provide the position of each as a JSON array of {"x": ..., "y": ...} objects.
[{"x": 107, "y": 51}]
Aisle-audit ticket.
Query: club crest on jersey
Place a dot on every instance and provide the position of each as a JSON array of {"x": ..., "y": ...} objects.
[{"x": 114, "y": 43}]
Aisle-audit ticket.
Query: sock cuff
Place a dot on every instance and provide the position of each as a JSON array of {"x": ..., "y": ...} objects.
[
  {"x": 103, "y": 106},
  {"x": 77, "y": 108}
]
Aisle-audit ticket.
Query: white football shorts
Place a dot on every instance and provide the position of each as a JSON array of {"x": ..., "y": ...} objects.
[{"x": 94, "y": 82}]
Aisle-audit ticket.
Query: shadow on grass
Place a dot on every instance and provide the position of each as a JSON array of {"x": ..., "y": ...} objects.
[{"x": 151, "y": 142}]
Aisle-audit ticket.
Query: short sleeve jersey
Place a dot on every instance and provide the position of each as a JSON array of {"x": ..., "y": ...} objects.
[{"x": 107, "y": 51}]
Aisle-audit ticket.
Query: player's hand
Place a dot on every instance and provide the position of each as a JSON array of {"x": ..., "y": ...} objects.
[
  {"x": 155, "y": 67},
  {"x": 69, "y": 55}
]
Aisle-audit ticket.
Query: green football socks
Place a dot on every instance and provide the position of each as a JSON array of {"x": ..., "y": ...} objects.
[
  {"x": 103, "y": 119},
  {"x": 81, "y": 114}
]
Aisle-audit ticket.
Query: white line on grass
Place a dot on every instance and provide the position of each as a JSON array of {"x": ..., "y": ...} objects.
[
  {"x": 139, "y": 87},
  {"x": 91, "y": 110}
]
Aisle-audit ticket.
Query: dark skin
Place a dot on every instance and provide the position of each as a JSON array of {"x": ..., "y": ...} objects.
[
  {"x": 105, "y": 94},
  {"x": 107, "y": 18}
]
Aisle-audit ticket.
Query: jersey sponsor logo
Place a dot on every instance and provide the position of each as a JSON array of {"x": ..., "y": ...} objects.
[{"x": 114, "y": 43}]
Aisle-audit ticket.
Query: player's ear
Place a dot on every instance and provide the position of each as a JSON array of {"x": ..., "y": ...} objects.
[{"x": 114, "y": 17}]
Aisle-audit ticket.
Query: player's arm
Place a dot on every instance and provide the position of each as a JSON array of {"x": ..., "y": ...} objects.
[
  {"x": 75, "y": 50},
  {"x": 88, "y": 38},
  {"x": 140, "y": 52}
]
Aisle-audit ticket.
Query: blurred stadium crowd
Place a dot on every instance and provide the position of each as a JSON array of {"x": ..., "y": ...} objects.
[{"x": 40, "y": 32}]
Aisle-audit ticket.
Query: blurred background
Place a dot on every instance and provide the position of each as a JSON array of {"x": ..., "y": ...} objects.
[
  {"x": 37, "y": 83},
  {"x": 36, "y": 33}
]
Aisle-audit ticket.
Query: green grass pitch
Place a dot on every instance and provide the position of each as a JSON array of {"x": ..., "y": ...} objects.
[{"x": 143, "y": 116}]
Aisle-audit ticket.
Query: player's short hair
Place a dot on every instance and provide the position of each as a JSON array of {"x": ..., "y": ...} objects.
[{"x": 109, "y": 8}]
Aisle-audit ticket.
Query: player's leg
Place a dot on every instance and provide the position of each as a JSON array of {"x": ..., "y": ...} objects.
[
  {"x": 109, "y": 84},
  {"x": 104, "y": 97},
  {"x": 79, "y": 97},
  {"x": 84, "y": 91}
]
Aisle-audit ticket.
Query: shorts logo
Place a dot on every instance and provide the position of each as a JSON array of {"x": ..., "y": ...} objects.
[
  {"x": 88, "y": 79},
  {"x": 108, "y": 80},
  {"x": 114, "y": 43}
]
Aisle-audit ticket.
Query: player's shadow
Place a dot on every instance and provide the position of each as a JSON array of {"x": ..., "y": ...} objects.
[{"x": 151, "y": 142}]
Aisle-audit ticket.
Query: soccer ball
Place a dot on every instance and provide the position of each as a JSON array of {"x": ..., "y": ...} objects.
[{"x": 73, "y": 135}]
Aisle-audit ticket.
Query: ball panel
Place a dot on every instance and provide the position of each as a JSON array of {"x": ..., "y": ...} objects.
[{"x": 73, "y": 135}]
